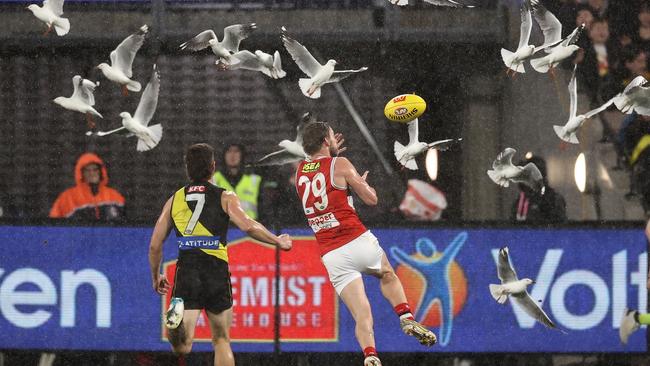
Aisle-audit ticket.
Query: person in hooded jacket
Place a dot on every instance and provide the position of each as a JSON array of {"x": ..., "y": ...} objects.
[{"x": 90, "y": 200}]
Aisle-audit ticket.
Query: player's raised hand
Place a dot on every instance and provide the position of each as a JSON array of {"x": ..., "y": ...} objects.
[
  {"x": 339, "y": 142},
  {"x": 365, "y": 175},
  {"x": 161, "y": 285},
  {"x": 285, "y": 242}
]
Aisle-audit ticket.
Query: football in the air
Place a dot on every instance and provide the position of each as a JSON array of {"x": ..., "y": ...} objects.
[{"x": 405, "y": 108}]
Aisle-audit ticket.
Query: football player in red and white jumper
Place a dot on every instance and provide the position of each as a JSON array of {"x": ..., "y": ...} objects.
[{"x": 347, "y": 248}]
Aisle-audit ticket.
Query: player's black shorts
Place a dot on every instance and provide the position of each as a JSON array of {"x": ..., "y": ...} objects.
[{"x": 203, "y": 282}]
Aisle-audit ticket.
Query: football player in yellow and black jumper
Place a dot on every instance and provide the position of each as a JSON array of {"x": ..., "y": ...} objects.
[{"x": 199, "y": 213}]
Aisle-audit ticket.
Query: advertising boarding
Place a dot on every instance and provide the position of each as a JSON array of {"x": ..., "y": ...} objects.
[{"x": 90, "y": 289}]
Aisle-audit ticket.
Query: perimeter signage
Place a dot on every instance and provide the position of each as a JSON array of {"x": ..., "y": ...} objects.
[
  {"x": 308, "y": 303},
  {"x": 89, "y": 288}
]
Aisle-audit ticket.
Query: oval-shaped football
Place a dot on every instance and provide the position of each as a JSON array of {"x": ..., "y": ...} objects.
[{"x": 405, "y": 108}]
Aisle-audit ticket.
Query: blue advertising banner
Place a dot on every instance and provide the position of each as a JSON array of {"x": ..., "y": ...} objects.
[{"x": 90, "y": 289}]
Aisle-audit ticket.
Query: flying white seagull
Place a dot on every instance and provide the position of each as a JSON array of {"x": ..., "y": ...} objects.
[
  {"x": 568, "y": 131},
  {"x": 505, "y": 172},
  {"x": 120, "y": 70},
  {"x": 406, "y": 154},
  {"x": 148, "y": 137},
  {"x": 319, "y": 75},
  {"x": 291, "y": 151},
  {"x": 516, "y": 288},
  {"x": 269, "y": 65},
  {"x": 558, "y": 53},
  {"x": 232, "y": 36},
  {"x": 450, "y": 3},
  {"x": 550, "y": 26},
  {"x": 82, "y": 99},
  {"x": 635, "y": 97},
  {"x": 50, "y": 13}
]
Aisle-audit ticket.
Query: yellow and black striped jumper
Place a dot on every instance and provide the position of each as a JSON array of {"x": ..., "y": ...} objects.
[{"x": 201, "y": 225}]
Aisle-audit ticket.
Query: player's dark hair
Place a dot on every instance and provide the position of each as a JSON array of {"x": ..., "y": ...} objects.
[
  {"x": 313, "y": 136},
  {"x": 198, "y": 162}
]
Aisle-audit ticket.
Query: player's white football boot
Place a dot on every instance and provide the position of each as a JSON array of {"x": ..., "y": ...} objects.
[
  {"x": 372, "y": 361},
  {"x": 628, "y": 325},
  {"x": 419, "y": 331},
  {"x": 174, "y": 314}
]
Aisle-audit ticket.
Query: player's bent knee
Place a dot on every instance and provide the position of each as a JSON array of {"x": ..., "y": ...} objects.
[
  {"x": 182, "y": 349},
  {"x": 389, "y": 276},
  {"x": 221, "y": 335}
]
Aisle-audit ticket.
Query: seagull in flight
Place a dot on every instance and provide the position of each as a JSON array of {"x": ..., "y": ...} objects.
[
  {"x": 50, "y": 14},
  {"x": 559, "y": 52},
  {"x": 82, "y": 99},
  {"x": 319, "y": 75},
  {"x": 568, "y": 131},
  {"x": 269, "y": 65},
  {"x": 550, "y": 26},
  {"x": 406, "y": 154},
  {"x": 232, "y": 37},
  {"x": 138, "y": 124},
  {"x": 635, "y": 97},
  {"x": 505, "y": 172},
  {"x": 515, "y": 288},
  {"x": 450, "y": 3},
  {"x": 120, "y": 70},
  {"x": 291, "y": 151}
]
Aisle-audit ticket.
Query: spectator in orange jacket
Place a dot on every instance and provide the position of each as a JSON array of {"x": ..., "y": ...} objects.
[{"x": 90, "y": 200}]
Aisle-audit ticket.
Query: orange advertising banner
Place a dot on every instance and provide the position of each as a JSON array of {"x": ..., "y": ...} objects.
[{"x": 308, "y": 302}]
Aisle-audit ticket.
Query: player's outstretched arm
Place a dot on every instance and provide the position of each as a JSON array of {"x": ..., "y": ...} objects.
[
  {"x": 345, "y": 169},
  {"x": 232, "y": 206},
  {"x": 160, "y": 232}
]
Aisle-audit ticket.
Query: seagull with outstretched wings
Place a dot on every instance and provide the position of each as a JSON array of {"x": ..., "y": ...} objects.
[
  {"x": 504, "y": 171},
  {"x": 50, "y": 14},
  {"x": 449, "y": 3},
  {"x": 406, "y": 154},
  {"x": 138, "y": 124},
  {"x": 635, "y": 97},
  {"x": 515, "y": 288},
  {"x": 120, "y": 70},
  {"x": 319, "y": 75},
  {"x": 224, "y": 49},
  {"x": 291, "y": 151},
  {"x": 269, "y": 65},
  {"x": 82, "y": 99},
  {"x": 568, "y": 131}
]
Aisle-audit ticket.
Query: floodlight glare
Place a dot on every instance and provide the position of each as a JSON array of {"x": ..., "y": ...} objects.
[
  {"x": 580, "y": 173},
  {"x": 432, "y": 164}
]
